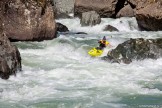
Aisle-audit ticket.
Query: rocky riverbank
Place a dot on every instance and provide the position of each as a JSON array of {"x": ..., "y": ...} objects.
[
  {"x": 22, "y": 20},
  {"x": 34, "y": 20},
  {"x": 147, "y": 12}
]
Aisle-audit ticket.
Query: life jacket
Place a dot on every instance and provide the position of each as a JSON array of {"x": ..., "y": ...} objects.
[{"x": 105, "y": 43}]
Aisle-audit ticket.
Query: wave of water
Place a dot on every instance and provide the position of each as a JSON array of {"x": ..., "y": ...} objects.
[
  {"x": 60, "y": 74},
  {"x": 127, "y": 27}
]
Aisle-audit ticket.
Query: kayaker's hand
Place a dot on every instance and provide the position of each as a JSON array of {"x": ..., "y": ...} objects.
[{"x": 109, "y": 45}]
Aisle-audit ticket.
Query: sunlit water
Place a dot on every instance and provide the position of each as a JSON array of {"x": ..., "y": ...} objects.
[{"x": 60, "y": 74}]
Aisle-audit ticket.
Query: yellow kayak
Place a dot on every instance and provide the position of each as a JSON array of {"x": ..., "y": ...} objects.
[{"x": 95, "y": 52}]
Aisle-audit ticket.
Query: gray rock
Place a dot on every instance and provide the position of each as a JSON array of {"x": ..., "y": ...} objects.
[
  {"x": 110, "y": 28},
  {"x": 90, "y": 18},
  {"x": 10, "y": 60},
  {"x": 61, "y": 27},
  {"x": 136, "y": 49}
]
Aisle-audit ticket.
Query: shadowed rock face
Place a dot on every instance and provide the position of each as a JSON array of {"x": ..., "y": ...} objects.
[
  {"x": 61, "y": 27},
  {"x": 28, "y": 20},
  {"x": 105, "y": 8},
  {"x": 110, "y": 28},
  {"x": 10, "y": 60},
  {"x": 136, "y": 49}
]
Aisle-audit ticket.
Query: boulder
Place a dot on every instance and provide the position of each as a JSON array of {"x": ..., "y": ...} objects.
[
  {"x": 136, "y": 49},
  {"x": 10, "y": 60},
  {"x": 61, "y": 27},
  {"x": 105, "y": 8},
  {"x": 110, "y": 28},
  {"x": 90, "y": 18},
  {"x": 110, "y": 59},
  {"x": 126, "y": 11},
  {"x": 81, "y": 33},
  {"x": 150, "y": 17},
  {"x": 64, "y": 8},
  {"x": 28, "y": 20}
]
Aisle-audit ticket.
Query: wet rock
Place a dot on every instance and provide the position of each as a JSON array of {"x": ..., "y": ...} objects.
[
  {"x": 10, "y": 60},
  {"x": 81, "y": 33},
  {"x": 110, "y": 59},
  {"x": 72, "y": 33},
  {"x": 105, "y": 8},
  {"x": 4, "y": 69},
  {"x": 28, "y": 20},
  {"x": 126, "y": 11},
  {"x": 61, "y": 27},
  {"x": 110, "y": 28},
  {"x": 90, "y": 18},
  {"x": 136, "y": 49}
]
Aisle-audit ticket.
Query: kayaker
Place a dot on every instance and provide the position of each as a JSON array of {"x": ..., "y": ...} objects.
[
  {"x": 102, "y": 43},
  {"x": 99, "y": 50}
]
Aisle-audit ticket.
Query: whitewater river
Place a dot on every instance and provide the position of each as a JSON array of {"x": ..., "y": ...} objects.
[{"x": 60, "y": 74}]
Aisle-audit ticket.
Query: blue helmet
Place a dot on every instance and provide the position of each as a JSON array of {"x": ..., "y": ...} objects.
[{"x": 104, "y": 38}]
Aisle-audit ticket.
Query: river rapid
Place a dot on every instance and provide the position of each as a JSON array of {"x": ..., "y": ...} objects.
[{"x": 59, "y": 73}]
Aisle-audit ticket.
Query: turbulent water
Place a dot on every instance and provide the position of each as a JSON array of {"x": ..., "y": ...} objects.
[{"x": 60, "y": 74}]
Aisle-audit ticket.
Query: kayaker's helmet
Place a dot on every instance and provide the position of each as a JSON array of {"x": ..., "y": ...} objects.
[{"x": 104, "y": 38}]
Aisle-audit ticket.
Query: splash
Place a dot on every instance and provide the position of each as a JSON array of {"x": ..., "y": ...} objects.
[{"x": 59, "y": 73}]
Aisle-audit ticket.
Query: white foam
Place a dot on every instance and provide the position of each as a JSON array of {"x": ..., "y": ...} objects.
[
  {"x": 62, "y": 69},
  {"x": 122, "y": 24},
  {"x": 127, "y": 27}
]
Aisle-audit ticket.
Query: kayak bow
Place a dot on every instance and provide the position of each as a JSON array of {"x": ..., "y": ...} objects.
[{"x": 95, "y": 52}]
